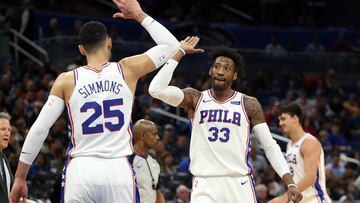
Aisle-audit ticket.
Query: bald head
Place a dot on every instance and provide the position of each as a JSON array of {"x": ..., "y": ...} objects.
[{"x": 142, "y": 126}]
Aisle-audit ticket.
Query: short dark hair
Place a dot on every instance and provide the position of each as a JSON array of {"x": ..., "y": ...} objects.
[
  {"x": 92, "y": 35},
  {"x": 293, "y": 109},
  {"x": 230, "y": 53}
]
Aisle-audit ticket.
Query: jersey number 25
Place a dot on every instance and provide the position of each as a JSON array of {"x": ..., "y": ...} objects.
[{"x": 107, "y": 112}]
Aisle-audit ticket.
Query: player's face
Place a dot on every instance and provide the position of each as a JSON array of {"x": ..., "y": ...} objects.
[
  {"x": 152, "y": 137},
  {"x": 222, "y": 73},
  {"x": 5, "y": 132},
  {"x": 286, "y": 122}
]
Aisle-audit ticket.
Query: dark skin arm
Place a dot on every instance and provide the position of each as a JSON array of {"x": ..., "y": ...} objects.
[
  {"x": 256, "y": 116},
  {"x": 191, "y": 97}
]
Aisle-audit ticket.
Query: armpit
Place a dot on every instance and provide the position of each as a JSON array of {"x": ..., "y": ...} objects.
[{"x": 254, "y": 110}]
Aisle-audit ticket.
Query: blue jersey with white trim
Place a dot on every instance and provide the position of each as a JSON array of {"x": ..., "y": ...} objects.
[
  {"x": 317, "y": 192},
  {"x": 99, "y": 113},
  {"x": 220, "y": 137}
]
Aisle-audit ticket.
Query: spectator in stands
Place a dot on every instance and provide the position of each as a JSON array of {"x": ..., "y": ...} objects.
[
  {"x": 337, "y": 138},
  {"x": 352, "y": 104},
  {"x": 167, "y": 165},
  {"x": 53, "y": 28},
  {"x": 182, "y": 194},
  {"x": 147, "y": 169},
  {"x": 337, "y": 168},
  {"x": 273, "y": 48},
  {"x": 315, "y": 46},
  {"x": 6, "y": 176},
  {"x": 341, "y": 45},
  {"x": 261, "y": 193}
]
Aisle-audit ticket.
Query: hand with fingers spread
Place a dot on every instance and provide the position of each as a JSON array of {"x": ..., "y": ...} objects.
[
  {"x": 129, "y": 9},
  {"x": 189, "y": 44}
]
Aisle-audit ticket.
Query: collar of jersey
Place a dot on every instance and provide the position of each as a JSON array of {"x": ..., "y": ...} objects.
[{"x": 95, "y": 70}]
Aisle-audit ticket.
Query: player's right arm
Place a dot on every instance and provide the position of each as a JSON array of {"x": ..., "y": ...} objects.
[
  {"x": 159, "y": 87},
  {"x": 38, "y": 132},
  {"x": 167, "y": 45}
]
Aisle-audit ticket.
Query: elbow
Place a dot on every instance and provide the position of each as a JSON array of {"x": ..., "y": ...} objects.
[{"x": 154, "y": 90}]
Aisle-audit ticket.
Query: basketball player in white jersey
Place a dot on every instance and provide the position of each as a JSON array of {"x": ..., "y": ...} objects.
[
  {"x": 220, "y": 139},
  {"x": 98, "y": 98},
  {"x": 305, "y": 158}
]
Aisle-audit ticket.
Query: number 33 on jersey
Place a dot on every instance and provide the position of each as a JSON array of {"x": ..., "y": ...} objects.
[{"x": 220, "y": 137}]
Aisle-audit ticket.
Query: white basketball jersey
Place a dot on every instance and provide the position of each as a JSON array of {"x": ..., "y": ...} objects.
[
  {"x": 99, "y": 113},
  {"x": 220, "y": 137},
  {"x": 317, "y": 192}
]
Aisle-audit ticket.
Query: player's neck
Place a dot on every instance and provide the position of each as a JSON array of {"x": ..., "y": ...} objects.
[
  {"x": 97, "y": 60},
  {"x": 222, "y": 95},
  {"x": 296, "y": 134}
]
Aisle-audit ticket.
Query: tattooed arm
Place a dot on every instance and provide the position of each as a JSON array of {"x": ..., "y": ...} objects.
[{"x": 272, "y": 150}]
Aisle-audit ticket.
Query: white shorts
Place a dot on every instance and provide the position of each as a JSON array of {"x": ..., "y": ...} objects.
[
  {"x": 96, "y": 180},
  {"x": 223, "y": 190}
]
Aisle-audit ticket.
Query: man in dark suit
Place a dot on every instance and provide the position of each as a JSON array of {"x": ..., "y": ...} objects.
[{"x": 6, "y": 176}]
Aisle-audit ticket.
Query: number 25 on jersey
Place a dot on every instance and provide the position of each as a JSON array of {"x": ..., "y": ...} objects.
[{"x": 104, "y": 110}]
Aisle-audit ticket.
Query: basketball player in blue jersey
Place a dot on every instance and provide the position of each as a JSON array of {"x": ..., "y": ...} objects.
[
  {"x": 305, "y": 157},
  {"x": 98, "y": 98},
  {"x": 220, "y": 139}
]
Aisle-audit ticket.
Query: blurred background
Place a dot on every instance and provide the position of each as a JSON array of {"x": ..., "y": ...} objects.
[{"x": 304, "y": 51}]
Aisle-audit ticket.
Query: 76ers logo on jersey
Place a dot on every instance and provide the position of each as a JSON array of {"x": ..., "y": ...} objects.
[{"x": 291, "y": 158}]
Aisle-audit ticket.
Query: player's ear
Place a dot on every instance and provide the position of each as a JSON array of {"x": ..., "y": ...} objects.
[
  {"x": 210, "y": 71},
  {"x": 235, "y": 76},
  {"x": 82, "y": 50},
  {"x": 109, "y": 43}
]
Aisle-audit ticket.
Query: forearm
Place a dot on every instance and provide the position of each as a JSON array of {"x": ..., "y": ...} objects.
[
  {"x": 22, "y": 170},
  {"x": 159, "y": 87},
  {"x": 159, "y": 33},
  {"x": 272, "y": 150},
  {"x": 305, "y": 183}
]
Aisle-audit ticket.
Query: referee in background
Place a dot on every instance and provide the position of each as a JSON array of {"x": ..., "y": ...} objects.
[{"x": 147, "y": 169}]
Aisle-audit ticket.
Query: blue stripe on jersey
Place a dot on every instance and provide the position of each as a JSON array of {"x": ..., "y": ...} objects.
[
  {"x": 70, "y": 134},
  {"x": 63, "y": 176},
  {"x": 253, "y": 186},
  {"x": 121, "y": 70},
  {"x": 248, "y": 154},
  {"x": 74, "y": 76},
  {"x": 190, "y": 125},
  {"x": 318, "y": 188}
]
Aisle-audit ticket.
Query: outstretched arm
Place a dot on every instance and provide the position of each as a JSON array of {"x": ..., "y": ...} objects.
[
  {"x": 272, "y": 150},
  {"x": 37, "y": 134},
  {"x": 159, "y": 87},
  {"x": 167, "y": 45}
]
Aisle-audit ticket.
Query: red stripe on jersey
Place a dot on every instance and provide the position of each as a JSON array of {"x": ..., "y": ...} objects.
[
  {"x": 130, "y": 140},
  {"x": 120, "y": 70},
  {"x": 252, "y": 188},
  {"x": 72, "y": 129}
]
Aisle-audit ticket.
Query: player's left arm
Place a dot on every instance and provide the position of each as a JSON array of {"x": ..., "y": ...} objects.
[
  {"x": 311, "y": 152},
  {"x": 272, "y": 150}
]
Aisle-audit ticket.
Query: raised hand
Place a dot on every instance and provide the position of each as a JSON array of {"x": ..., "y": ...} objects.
[
  {"x": 189, "y": 44},
  {"x": 129, "y": 9}
]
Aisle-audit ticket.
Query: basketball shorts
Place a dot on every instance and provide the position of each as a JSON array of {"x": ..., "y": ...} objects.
[
  {"x": 223, "y": 190},
  {"x": 96, "y": 180}
]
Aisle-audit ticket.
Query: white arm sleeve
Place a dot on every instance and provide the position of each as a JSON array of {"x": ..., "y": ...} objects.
[
  {"x": 168, "y": 45},
  {"x": 40, "y": 129},
  {"x": 159, "y": 87},
  {"x": 271, "y": 148}
]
